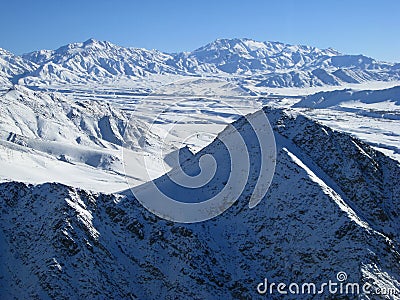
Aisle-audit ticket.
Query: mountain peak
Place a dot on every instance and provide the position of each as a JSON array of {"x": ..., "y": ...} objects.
[
  {"x": 90, "y": 41},
  {"x": 93, "y": 43},
  {"x": 5, "y": 52}
]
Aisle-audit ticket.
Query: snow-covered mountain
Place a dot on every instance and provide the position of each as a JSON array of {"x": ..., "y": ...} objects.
[
  {"x": 265, "y": 64},
  {"x": 78, "y": 137},
  {"x": 47, "y": 137},
  {"x": 94, "y": 60},
  {"x": 248, "y": 56},
  {"x": 275, "y": 64},
  {"x": 70, "y": 118},
  {"x": 340, "y": 215},
  {"x": 371, "y": 115},
  {"x": 12, "y": 67},
  {"x": 338, "y": 97}
]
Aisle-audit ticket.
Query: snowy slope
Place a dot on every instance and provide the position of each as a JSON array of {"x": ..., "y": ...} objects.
[
  {"x": 12, "y": 67},
  {"x": 371, "y": 115},
  {"x": 79, "y": 138},
  {"x": 47, "y": 137},
  {"x": 337, "y": 216},
  {"x": 339, "y": 97}
]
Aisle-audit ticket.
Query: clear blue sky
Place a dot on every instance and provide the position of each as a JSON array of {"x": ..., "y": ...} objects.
[{"x": 367, "y": 27}]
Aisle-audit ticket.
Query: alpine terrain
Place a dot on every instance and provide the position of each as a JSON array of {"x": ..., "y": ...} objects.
[{"x": 87, "y": 127}]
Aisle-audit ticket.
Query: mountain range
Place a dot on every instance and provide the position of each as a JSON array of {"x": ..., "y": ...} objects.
[
  {"x": 71, "y": 118},
  {"x": 338, "y": 216},
  {"x": 267, "y": 64}
]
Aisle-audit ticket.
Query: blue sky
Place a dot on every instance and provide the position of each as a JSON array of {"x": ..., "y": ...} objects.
[{"x": 354, "y": 27}]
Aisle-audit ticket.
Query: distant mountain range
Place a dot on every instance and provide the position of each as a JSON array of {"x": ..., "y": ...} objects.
[{"x": 269, "y": 64}]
